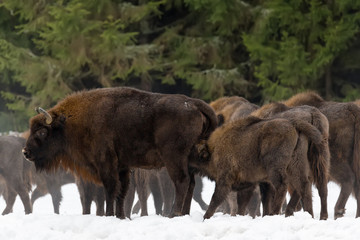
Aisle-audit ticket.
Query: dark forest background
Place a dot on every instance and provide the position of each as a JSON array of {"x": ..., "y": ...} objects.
[{"x": 261, "y": 50}]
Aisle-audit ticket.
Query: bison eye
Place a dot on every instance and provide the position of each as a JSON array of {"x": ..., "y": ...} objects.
[{"x": 42, "y": 133}]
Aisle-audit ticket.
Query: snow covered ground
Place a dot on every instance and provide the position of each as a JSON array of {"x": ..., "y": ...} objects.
[{"x": 70, "y": 224}]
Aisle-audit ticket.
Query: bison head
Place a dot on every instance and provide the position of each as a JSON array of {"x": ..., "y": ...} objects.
[{"x": 46, "y": 140}]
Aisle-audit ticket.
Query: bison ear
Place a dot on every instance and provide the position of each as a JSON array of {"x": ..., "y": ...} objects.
[
  {"x": 203, "y": 152},
  {"x": 220, "y": 119},
  {"x": 59, "y": 121},
  {"x": 62, "y": 118}
]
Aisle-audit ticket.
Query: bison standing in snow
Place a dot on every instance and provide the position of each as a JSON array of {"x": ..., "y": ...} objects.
[
  {"x": 229, "y": 109},
  {"x": 102, "y": 134},
  {"x": 248, "y": 151},
  {"x": 344, "y": 143},
  {"x": 316, "y": 157}
]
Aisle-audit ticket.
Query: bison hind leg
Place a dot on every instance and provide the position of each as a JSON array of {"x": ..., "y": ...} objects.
[
  {"x": 124, "y": 177},
  {"x": 10, "y": 200},
  {"x": 278, "y": 181}
]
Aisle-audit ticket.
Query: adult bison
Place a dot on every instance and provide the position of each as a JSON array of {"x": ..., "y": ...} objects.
[
  {"x": 344, "y": 143},
  {"x": 248, "y": 151},
  {"x": 317, "y": 157},
  {"x": 101, "y": 134},
  {"x": 16, "y": 172}
]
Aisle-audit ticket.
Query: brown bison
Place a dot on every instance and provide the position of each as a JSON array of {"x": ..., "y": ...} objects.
[
  {"x": 344, "y": 143},
  {"x": 318, "y": 156},
  {"x": 248, "y": 151},
  {"x": 102, "y": 134},
  {"x": 229, "y": 109},
  {"x": 16, "y": 172}
]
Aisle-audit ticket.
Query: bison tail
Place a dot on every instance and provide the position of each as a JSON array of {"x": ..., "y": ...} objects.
[
  {"x": 210, "y": 121},
  {"x": 319, "y": 159},
  {"x": 318, "y": 153},
  {"x": 308, "y": 130}
]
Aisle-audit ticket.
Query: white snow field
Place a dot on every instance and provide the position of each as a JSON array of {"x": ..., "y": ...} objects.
[{"x": 43, "y": 224}]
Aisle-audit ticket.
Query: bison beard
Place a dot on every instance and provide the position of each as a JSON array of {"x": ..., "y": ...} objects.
[{"x": 102, "y": 134}]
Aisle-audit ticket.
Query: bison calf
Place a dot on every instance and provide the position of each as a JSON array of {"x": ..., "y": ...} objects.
[{"x": 245, "y": 152}]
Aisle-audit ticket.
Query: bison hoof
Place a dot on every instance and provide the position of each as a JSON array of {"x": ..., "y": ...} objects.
[
  {"x": 339, "y": 213},
  {"x": 175, "y": 214},
  {"x": 207, "y": 216},
  {"x": 289, "y": 212},
  {"x": 324, "y": 216}
]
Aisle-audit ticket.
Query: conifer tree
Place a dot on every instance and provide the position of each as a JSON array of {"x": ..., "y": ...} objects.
[{"x": 295, "y": 44}]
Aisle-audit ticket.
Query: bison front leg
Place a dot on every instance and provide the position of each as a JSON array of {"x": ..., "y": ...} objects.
[
  {"x": 197, "y": 192},
  {"x": 99, "y": 200},
  {"x": 345, "y": 177},
  {"x": 293, "y": 203},
  {"x": 220, "y": 193},
  {"x": 124, "y": 177},
  {"x": 56, "y": 197}
]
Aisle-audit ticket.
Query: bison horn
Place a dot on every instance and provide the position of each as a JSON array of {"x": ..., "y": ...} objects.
[{"x": 47, "y": 115}]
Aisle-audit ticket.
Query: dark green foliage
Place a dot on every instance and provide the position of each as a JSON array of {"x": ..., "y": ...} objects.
[
  {"x": 261, "y": 50},
  {"x": 296, "y": 43}
]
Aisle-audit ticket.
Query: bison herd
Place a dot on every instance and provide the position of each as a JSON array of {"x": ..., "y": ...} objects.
[{"x": 112, "y": 142}]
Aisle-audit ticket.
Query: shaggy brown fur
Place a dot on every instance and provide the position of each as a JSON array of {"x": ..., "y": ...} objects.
[
  {"x": 249, "y": 151},
  {"x": 229, "y": 109},
  {"x": 344, "y": 142},
  {"x": 16, "y": 172},
  {"x": 101, "y": 134},
  {"x": 318, "y": 156}
]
